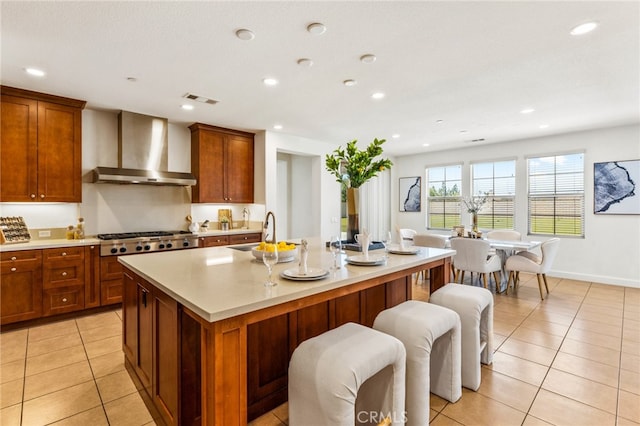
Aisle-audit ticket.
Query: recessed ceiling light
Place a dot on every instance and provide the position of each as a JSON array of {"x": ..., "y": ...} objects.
[
  {"x": 277, "y": 126},
  {"x": 527, "y": 111},
  {"x": 305, "y": 62},
  {"x": 584, "y": 28},
  {"x": 439, "y": 121},
  {"x": 132, "y": 79},
  {"x": 543, "y": 126},
  {"x": 463, "y": 131},
  {"x": 270, "y": 81},
  {"x": 395, "y": 136},
  {"x": 316, "y": 28},
  {"x": 378, "y": 95},
  {"x": 368, "y": 58},
  {"x": 35, "y": 72},
  {"x": 187, "y": 107},
  {"x": 244, "y": 34},
  {"x": 425, "y": 144},
  {"x": 349, "y": 83}
]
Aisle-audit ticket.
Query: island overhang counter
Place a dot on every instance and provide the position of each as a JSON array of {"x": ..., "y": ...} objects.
[{"x": 210, "y": 344}]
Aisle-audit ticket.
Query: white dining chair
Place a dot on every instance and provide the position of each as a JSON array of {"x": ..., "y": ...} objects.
[
  {"x": 407, "y": 234},
  {"x": 504, "y": 235},
  {"x": 473, "y": 255},
  {"x": 431, "y": 240},
  {"x": 525, "y": 261}
]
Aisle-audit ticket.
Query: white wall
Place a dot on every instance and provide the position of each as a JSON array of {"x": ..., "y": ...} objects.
[
  {"x": 315, "y": 199},
  {"x": 610, "y": 250}
]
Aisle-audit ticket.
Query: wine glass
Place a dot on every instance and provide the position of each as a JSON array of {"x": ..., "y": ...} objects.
[
  {"x": 270, "y": 258},
  {"x": 386, "y": 240},
  {"x": 335, "y": 245}
]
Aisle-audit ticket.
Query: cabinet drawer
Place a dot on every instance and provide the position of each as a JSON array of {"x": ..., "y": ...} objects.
[
  {"x": 222, "y": 240},
  {"x": 110, "y": 268},
  {"x": 245, "y": 238},
  {"x": 63, "y": 274},
  {"x": 63, "y": 299},
  {"x": 64, "y": 253},
  {"x": 111, "y": 291},
  {"x": 33, "y": 256}
]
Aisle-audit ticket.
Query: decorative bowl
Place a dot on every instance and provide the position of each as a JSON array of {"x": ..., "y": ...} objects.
[{"x": 286, "y": 252}]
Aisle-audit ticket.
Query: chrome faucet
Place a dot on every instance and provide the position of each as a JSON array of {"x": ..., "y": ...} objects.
[{"x": 265, "y": 232}]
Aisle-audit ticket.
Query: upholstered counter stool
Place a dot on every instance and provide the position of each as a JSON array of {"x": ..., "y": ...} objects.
[
  {"x": 431, "y": 336},
  {"x": 475, "y": 307},
  {"x": 350, "y": 375}
]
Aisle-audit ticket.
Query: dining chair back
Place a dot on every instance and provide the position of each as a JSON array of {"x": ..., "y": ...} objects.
[
  {"x": 473, "y": 255},
  {"x": 529, "y": 262},
  {"x": 407, "y": 234},
  {"x": 429, "y": 240},
  {"x": 504, "y": 235}
]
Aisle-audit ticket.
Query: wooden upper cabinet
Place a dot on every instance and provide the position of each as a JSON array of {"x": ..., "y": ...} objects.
[
  {"x": 222, "y": 162},
  {"x": 41, "y": 147}
]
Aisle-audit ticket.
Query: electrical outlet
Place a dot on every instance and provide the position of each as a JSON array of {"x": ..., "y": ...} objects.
[{"x": 44, "y": 234}]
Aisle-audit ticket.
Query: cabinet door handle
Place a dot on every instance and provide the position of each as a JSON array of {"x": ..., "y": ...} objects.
[
  {"x": 33, "y": 196},
  {"x": 64, "y": 274},
  {"x": 42, "y": 196},
  {"x": 13, "y": 269},
  {"x": 64, "y": 253},
  {"x": 13, "y": 258},
  {"x": 64, "y": 300}
]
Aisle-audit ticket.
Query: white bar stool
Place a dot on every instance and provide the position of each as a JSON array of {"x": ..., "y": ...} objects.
[
  {"x": 350, "y": 375},
  {"x": 475, "y": 307},
  {"x": 431, "y": 336}
]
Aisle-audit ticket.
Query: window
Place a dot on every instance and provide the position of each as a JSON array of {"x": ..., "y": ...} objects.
[
  {"x": 556, "y": 195},
  {"x": 497, "y": 181},
  {"x": 443, "y": 201}
]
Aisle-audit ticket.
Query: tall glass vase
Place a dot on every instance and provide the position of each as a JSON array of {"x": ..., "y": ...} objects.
[
  {"x": 353, "y": 213},
  {"x": 474, "y": 217}
]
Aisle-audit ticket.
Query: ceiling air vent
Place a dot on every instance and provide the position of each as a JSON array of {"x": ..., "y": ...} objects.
[{"x": 200, "y": 99}]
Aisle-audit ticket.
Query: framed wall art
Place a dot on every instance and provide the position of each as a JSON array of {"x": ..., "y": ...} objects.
[
  {"x": 410, "y": 194},
  {"x": 615, "y": 187}
]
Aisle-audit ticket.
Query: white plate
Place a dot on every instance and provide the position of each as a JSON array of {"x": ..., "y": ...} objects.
[
  {"x": 362, "y": 260},
  {"x": 406, "y": 250},
  {"x": 312, "y": 274}
]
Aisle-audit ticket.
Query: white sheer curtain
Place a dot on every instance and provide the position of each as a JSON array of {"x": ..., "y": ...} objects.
[{"x": 375, "y": 205}]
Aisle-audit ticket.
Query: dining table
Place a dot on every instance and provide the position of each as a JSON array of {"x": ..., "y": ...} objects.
[{"x": 506, "y": 248}]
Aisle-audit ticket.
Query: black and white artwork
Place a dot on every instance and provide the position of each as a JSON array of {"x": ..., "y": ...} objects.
[
  {"x": 615, "y": 187},
  {"x": 410, "y": 194}
]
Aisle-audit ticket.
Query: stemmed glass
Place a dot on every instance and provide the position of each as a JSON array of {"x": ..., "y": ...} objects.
[
  {"x": 335, "y": 245},
  {"x": 386, "y": 240},
  {"x": 270, "y": 258}
]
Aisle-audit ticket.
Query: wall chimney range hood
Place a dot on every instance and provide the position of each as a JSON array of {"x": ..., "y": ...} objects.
[{"x": 142, "y": 154}]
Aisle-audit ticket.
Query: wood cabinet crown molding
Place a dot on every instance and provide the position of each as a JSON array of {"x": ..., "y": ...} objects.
[
  {"x": 23, "y": 93},
  {"x": 208, "y": 127}
]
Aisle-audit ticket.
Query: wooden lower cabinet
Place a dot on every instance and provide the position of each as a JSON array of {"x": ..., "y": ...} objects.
[
  {"x": 20, "y": 286},
  {"x": 63, "y": 283},
  {"x": 150, "y": 343},
  {"x": 160, "y": 333}
]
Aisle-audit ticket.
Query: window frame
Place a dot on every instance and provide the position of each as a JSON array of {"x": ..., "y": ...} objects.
[
  {"x": 557, "y": 197},
  {"x": 492, "y": 197},
  {"x": 452, "y": 204}
]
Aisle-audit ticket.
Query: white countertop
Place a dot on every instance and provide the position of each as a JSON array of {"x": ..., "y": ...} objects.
[
  {"x": 49, "y": 243},
  {"x": 220, "y": 282}
]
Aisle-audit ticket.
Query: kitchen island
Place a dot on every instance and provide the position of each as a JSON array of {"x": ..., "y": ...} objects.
[{"x": 211, "y": 345}]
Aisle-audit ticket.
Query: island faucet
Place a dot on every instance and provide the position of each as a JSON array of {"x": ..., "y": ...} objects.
[{"x": 265, "y": 232}]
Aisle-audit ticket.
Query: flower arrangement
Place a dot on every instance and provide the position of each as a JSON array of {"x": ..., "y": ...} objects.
[
  {"x": 353, "y": 166},
  {"x": 474, "y": 204},
  {"x": 224, "y": 219}
]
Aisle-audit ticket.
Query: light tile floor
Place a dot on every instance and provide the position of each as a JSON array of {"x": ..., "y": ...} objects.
[{"x": 572, "y": 359}]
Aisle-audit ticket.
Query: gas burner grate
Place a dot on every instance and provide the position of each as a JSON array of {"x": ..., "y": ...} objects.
[{"x": 126, "y": 235}]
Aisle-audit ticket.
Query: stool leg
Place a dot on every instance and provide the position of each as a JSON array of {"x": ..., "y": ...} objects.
[
  {"x": 540, "y": 285},
  {"x": 506, "y": 291},
  {"x": 544, "y": 277},
  {"x": 484, "y": 280}
]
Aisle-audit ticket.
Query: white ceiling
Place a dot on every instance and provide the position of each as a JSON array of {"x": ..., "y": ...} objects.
[{"x": 474, "y": 65}]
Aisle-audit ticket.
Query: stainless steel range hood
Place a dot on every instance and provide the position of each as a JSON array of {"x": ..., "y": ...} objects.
[{"x": 142, "y": 154}]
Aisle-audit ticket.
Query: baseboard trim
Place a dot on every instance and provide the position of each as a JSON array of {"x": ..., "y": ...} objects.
[{"x": 600, "y": 279}]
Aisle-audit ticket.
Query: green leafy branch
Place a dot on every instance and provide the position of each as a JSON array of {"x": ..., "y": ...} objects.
[{"x": 354, "y": 167}]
